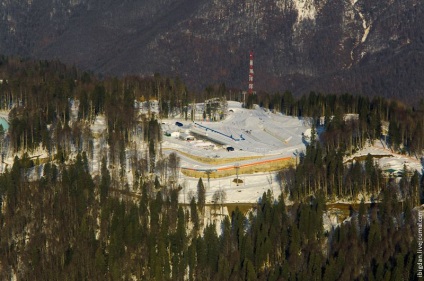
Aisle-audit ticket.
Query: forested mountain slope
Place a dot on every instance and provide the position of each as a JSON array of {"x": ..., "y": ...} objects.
[
  {"x": 351, "y": 46},
  {"x": 63, "y": 219}
]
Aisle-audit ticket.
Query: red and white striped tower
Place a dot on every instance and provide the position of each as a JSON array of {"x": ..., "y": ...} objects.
[{"x": 250, "y": 91}]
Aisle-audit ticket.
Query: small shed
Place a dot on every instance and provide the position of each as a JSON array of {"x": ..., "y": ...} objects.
[
  {"x": 171, "y": 133},
  {"x": 175, "y": 134},
  {"x": 186, "y": 137}
]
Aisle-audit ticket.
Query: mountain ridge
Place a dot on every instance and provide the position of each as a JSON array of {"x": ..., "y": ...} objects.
[{"x": 299, "y": 45}]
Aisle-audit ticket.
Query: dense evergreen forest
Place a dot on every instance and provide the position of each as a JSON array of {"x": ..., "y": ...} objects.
[
  {"x": 63, "y": 229},
  {"x": 69, "y": 224}
]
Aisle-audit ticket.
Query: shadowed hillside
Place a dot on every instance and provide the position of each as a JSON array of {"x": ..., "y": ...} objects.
[{"x": 330, "y": 46}]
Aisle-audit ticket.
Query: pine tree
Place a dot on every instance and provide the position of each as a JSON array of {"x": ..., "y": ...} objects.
[
  {"x": 192, "y": 259},
  {"x": 212, "y": 247},
  {"x": 201, "y": 195},
  {"x": 105, "y": 181},
  {"x": 294, "y": 248},
  {"x": 249, "y": 270},
  {"x": 194, "y": 217},
  {"x": 224, "y": 270},
  {"x": 415, "y": 188},
  {"x": 362, "y": 217}
]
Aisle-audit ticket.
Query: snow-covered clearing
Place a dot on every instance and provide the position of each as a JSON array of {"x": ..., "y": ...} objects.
[
  {"x": 389, "y": 160},
  {"x": 255, "y": 133}
]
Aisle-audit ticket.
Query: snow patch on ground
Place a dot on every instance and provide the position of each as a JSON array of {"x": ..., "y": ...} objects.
[
  {"x": 393, "y": 161},
  {"x": 4, "y": 114},
  {"x": 98, "y": 130},
  {"x": 305, "y": 9},
  {"x": 366, "y": 25},
  {"x": 330, "y": 221},
  {"x": 249, "y": 191}
]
